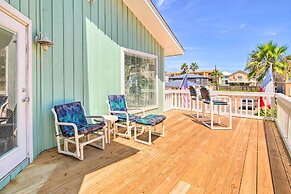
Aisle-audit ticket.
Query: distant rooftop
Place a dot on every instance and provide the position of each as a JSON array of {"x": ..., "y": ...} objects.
[
  {"x": 190, "y": 76},
  {"x": 177, "y": 84}
]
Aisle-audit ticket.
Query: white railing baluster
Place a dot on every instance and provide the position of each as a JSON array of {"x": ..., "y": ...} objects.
[{"x": 252, "y": 107}]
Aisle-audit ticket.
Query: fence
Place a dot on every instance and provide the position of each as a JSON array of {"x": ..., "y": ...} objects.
[{"x": 239, "y": 88}]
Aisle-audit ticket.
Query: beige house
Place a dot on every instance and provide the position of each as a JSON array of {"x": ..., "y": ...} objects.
[
  {"x": 283, "y": 84},
  {"x": 240, "y": 78}
]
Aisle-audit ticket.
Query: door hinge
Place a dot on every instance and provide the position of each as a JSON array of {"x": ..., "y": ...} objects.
[{"x": 26, "y": 48}]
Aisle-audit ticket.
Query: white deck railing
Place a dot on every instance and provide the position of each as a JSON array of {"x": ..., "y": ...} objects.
[
  {"x": 244, "y": 104},
  {"x": 283, "y": 119}
]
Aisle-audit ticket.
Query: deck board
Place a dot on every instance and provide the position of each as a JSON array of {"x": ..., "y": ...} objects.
[
  {"x": 190, "y": 159},
  {"x": 279, "y": 175}
]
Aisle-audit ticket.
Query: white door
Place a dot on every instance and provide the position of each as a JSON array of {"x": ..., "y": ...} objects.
[{"x": 13, "y": 113}]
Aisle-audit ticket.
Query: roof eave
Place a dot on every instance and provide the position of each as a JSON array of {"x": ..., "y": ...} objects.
[{"x": 150, "y": 17}]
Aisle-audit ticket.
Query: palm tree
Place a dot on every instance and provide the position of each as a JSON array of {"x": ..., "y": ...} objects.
[
  {"x": 184, "y": 68},
  {"x": 287, "y": 60},
  {"x": 194, "y": 66},
  {"x": 265, "y": 56},
  {"x": 216, "y": 74}
]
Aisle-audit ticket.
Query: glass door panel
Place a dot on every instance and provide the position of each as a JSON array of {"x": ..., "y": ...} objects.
[
  {"x": 8, "y": 90},
  {"x": 13, "y": 84}
]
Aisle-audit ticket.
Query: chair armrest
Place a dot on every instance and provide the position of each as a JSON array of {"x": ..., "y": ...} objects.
[
  {"x": 69, "y": 124},
  {"x": 138, "y": 109},
  {"x": 98, "y": 118},
  {"x": 121, "y": 112}
]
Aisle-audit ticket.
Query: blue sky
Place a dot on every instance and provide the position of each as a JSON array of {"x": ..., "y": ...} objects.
[{"x": 223, "y": 32}]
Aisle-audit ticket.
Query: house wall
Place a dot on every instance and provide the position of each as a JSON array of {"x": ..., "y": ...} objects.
[
  {"x": 284, "y": 87},
  {"x": 234, "y": 77},
  {"x": 84, "y": 62}
]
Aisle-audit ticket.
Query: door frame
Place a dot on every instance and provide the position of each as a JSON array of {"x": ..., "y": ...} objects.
[{"x": 22, "y": 19}]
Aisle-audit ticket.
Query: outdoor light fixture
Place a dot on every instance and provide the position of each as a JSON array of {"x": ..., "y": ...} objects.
[{"x": 43, "y": 40}]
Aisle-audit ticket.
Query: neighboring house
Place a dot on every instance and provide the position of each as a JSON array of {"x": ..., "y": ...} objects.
[
  {"x": 193, "y": 79},
  {"x": 283, "y": 85},
  {"x": 240, "y": 78},
  {"x": 100, "y": 48},
  {"x": 225, "y": 78},
  {"x": 205, "y": 73},
  {"x": 170, "y": 74}
]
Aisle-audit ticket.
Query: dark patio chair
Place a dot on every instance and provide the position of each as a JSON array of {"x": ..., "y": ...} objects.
[
  {"x": 8, "y": 128},
  {"x": 3, "y": 105},
  {"x": 215, "y": 101},
  {"x": 196, "y": 98}
]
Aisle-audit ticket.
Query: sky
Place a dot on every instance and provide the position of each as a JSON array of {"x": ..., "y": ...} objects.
[{"x": 224, "y": 32}]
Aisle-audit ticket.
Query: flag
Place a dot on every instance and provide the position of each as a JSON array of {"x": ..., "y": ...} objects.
[
  {"x": 185, "y": 86},
  {"x": 268, "y": 85}
]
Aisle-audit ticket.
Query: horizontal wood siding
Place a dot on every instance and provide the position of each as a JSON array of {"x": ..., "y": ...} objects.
[{"x": 84, "y": 62}]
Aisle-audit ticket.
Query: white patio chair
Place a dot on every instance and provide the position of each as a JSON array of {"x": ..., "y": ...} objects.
[
  {"x": 117, "y": 106},
  {"x": 72, "y": 127}
]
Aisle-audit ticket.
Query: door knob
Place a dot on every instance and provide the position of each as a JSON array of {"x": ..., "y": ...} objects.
[{"x": 25, "y": 99}]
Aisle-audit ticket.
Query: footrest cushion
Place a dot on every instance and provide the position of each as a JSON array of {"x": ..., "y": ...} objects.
[{"x": 151, "y": 119}]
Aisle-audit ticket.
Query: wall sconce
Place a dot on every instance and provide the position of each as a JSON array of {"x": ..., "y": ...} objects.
[{"x": 43, "y": 40}]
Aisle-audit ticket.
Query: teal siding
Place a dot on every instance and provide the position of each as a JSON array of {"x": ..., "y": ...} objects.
[{"x": 84, "y": 62}]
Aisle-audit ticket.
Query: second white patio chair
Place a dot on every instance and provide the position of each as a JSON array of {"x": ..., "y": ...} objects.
[{"x": 117, "y": 106}]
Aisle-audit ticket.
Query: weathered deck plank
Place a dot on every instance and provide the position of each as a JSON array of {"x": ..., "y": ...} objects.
[
  {"x": 191, "y": 158},
  {"x": 279, "y": 175}
]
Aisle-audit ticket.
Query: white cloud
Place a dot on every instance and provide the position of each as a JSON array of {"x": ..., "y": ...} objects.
[
  {"x": 242, "y": 26},
  {"x": 160, "y": 3},
  {"x": 191, "y": 48},
  {"x": 164, "y": 4},
  {"x": 272, "y": 33}
]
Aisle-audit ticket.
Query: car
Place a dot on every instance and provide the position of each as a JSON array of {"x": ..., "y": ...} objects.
[{"x": 248, "y": 104}]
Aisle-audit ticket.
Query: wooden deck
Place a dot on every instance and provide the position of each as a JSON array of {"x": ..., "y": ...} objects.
[{"x": 191, "y": 158}]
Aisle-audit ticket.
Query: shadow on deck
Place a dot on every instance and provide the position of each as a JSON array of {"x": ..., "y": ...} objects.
[{"x": 191, "y": 158}]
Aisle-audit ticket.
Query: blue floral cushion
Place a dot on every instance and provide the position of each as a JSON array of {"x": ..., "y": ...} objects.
[
  {"x": 74, "y": 113},
  {"x": 117, "y": 102},
  {"x": 122, "y": 117},
  {"x": 151, "y": 119}
]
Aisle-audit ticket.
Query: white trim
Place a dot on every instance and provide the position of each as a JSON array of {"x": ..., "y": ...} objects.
[
  {"x": 22, "y": 19},
  {"x": 6, "y": 70},
  {"x": 14, "y": 13},
  {"x": 149, "y": 16},
  {"x": 164, "y": 25},
  {"x": 122, "y": 66},
  {"x": 135, "y": 52}
]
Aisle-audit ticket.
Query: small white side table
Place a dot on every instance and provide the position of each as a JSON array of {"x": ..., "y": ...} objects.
[{"x": 110, "y": 119}]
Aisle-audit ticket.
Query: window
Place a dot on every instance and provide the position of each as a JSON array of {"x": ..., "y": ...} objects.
[
  {"x": 140, "y": 79},
  {"x": 239, "y": 78}
]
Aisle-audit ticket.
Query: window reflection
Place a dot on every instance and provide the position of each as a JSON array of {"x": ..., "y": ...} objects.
[
  {"x": 8, "y": 87},
  {"x": 140, "y": 80}
]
